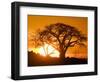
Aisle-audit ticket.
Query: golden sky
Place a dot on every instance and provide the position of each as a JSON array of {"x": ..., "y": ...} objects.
[{"x": 39, "y": 22}]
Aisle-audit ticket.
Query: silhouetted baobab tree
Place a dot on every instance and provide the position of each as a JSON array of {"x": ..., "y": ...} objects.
[{"x": 61, "y": 37}]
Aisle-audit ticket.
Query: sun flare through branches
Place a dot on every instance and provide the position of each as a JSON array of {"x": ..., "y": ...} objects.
[{"x": 46, "y": 50}]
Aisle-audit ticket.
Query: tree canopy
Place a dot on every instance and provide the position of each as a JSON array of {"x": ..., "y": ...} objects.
[{"x": 60, "y": 36}]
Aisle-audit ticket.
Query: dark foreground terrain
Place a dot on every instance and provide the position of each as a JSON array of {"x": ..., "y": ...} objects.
[{"x": 38, "y": 60}]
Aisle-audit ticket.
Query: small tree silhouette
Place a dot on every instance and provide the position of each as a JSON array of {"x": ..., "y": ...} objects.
[{"x": 60, "y": 36}]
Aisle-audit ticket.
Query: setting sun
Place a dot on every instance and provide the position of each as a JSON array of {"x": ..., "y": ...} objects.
[{"x": 45, "y": 50}]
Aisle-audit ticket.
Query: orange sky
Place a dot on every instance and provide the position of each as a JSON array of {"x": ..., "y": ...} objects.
[{"x": 39, "y": 22}]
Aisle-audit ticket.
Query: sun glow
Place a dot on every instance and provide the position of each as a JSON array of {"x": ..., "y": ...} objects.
[{"x": 45, "y": 50}]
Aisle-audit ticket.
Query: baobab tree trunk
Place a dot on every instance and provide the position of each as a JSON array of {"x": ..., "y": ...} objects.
[
  {"x": 62, "y": 54},
  {"x": 62, "y": 57}
]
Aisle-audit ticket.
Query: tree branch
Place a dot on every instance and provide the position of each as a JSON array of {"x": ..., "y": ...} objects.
[
  {"x": 55, "y": 36},
  {"x": 66, "y": 35},
  {"x": 71, "y": 44}
]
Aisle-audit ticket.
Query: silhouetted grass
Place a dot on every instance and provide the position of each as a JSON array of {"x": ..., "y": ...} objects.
[{"x": 38, "y": 60}]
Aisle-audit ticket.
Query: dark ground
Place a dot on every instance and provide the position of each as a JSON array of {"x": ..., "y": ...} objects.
[{"x": 38, "y": 60}]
